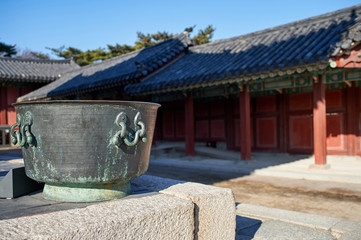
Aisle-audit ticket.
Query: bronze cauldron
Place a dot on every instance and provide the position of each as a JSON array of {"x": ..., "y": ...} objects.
[{"x": 85, "y": 150}]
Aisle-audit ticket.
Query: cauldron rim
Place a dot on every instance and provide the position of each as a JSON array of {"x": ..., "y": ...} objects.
[{"x": 115, "y": 102}]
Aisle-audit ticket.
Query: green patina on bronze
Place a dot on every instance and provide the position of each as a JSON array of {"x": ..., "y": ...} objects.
[
  {"x": 23, "y": 136},
  {"x": 121, "y": 135},
  {"x": 86, "y": 193},
  {"x": 90, "y": 147}
]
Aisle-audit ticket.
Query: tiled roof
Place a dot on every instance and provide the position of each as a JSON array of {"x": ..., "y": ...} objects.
[
  {"x": 116, "y": 71},
  {"x": 309, "y": 41},
  {"x": 26, "y": 70}
]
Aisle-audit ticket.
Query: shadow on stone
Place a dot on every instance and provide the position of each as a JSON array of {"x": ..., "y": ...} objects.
[
  {"x": 246, "y": 227},
  {"x": 196, "y": 221}
]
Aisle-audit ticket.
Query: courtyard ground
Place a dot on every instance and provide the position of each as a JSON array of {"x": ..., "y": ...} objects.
[
  {"x": 251, "y": 185},
  {"x": 298, "y": 195},
  {"x": 270, "y": 181},
  {"x": 337, "y": 203}
]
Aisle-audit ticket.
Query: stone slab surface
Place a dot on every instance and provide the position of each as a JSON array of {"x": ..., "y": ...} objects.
[
  {"x": 347, "y": 226},
  {"x": 303, "y": 219},
  {"x": 215, "y": 216},
  {"x": 34, "y": 203},
  {"x": 346, "y": 169},
  {"x": 158, "y": 216},
  {"x": 252, "y": 228},
  {"x": 271, "y": 223},
  {"x": 280, "y": 230},
  {"x": 350, "y": 236},
  {"x": 351, "y": 229}
]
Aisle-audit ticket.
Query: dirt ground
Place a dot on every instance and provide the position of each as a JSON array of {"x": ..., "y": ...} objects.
[
  {"x": 302, "y": 196},
  {"x": 337, "y": 204}
]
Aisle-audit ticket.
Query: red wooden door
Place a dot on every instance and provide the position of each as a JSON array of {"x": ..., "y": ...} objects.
[
  {"x": 210, "y": 121},
  {"x": 12, "y": 95},
  {"x": 300, "y": 122},
  {"x": 173, "y": 120},
  {"x": 265, "y": 117},
  {"x": 336, "y": 122}
]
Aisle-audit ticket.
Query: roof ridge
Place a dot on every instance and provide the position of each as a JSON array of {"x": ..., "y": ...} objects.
[
  {"x": 177, "y": 36},
  {"x": 69, "y": 61},
  {"x": 315, "y": 19}
]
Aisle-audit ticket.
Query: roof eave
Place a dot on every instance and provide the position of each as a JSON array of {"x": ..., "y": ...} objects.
[{"x": 241, "y": 79}]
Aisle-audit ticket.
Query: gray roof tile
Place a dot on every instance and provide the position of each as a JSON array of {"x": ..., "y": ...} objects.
[
  {"x": 27, "y": 70},
  {"x": 117, "y": 70},
  {"x": 303, "y": 42}
]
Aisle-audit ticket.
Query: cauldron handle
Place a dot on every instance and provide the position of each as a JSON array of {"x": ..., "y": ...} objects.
[
  {"x": 121, "y": 120},
  {"x": 23, "y": 136}
]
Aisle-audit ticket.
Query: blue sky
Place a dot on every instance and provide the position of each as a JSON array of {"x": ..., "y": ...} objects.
[{"x": 90, "y": 24}]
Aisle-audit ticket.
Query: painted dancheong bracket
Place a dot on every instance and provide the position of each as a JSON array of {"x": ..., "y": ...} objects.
[
  {"x": 122, "y": 135},
  {"x": 23, "y": 136}
]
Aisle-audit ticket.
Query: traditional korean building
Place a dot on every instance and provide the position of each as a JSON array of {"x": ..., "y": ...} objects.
[
  {"x": 294, "y": 88},
  {"x": 106, "y": 80},
  {"x": 21, "y": 76}
]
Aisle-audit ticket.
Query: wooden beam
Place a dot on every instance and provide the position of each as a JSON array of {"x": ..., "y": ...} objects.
[
  {"x": 351, "y": 60},
  {"x": 319, "y": 122},
  {"x": 189, "y": 126},
  {"x": 245, "y": 124}
]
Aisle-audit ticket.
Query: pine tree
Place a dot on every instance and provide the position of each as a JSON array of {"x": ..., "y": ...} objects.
[
  {"x": 204, "y": 36},
  {"x": 7, "y": 50},
  {"x": 143, "y": 40}
]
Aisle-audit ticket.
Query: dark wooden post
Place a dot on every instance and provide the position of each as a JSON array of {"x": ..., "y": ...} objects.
[
  {"x": 319, "y": 121},
  {"x": 229, "y": 124},
  {"x": 283, "y": 122},
  {"x": 245, "y": 124},
  {"x": 156, "y": 130},
  {"x": 189, "y": 126}
]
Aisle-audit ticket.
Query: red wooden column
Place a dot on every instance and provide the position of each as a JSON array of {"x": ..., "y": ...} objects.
[
  {"x": 319, "y": 122},
  {"x": 189, "y": 126},
  {"x": 3, "y": 106},
  {"x": 351, "y": 119},
  {"x": 245, "y": 124}
]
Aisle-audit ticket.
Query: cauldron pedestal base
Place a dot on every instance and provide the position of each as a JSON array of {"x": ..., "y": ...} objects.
[{"x": 86, "y": 193}]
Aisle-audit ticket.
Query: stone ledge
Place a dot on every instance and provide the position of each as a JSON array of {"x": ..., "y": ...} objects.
[
  {"x": 162, "y": 209},
  {"x": 156, "y": 216},
  {"x": 215, "y": 216}
]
